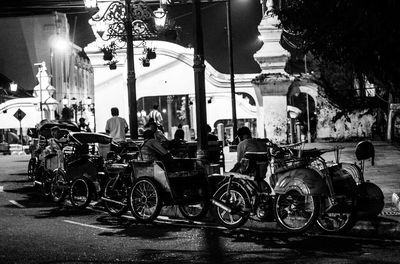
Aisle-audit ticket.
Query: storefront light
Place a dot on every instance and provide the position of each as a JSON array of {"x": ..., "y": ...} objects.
[{"x": 13, "y": 87}]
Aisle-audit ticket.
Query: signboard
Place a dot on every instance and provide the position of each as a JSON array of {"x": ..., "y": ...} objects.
[{"x": 19, "y": 114}]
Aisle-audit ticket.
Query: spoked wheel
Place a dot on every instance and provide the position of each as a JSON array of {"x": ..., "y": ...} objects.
[
  {"x": 80, "y": 193},
  {"x": 145, "y": 200},
  {"x": 58, "y": 187},
  {"x": 31, "y": 169},
  {"x": 236, "y": 200},
  {"x": 194, "y": 211},
  {"x": 117, "y": 191},
  {"x": 296, "y": 213},
  {"x": 336, "y": 222}
]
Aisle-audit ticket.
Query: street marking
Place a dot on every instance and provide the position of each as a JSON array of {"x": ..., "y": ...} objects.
[
  {"x": 1, "y": 188},
  {"x": 86, "y": 225},
  {"x": 16, "y": 203}
]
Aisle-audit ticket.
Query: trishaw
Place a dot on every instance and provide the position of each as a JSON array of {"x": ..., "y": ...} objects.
[
  {"x": 39, "y": 165},
  {"x": 82, "y": 173},
  {"x": 183, "y": 182},
  {"x": 344, "y": 195}
]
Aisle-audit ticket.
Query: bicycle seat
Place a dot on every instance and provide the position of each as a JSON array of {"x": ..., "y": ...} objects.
[
  {"x": 257, "y": 156},
  {"x": 365, "y": 150}
]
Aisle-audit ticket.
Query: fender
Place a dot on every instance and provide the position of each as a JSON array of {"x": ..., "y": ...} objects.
[
  {"x": 223, "y": 181},
  {"x": 306, "y": 181}
]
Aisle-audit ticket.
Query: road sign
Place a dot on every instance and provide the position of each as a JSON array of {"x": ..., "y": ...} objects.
[{"x": 19, "y": 114}]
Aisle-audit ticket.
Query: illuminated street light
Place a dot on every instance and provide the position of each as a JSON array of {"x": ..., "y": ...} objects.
[
  {"x": 59, "y": 43},
  {"x": 159, "y": 17},
  {"x": 90, "y": 3},
  {"x": 128, "y": 22},
  {"x": 13, "y": 87},
  {"x": 65, "y": 101}
]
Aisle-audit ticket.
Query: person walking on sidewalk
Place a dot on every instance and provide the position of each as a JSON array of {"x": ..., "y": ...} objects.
[{"x": 116, "y": 126}]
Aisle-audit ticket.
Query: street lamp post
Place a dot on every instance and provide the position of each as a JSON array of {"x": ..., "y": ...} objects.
[
  {"x": 199, "y": 81},
  {"x": 128, "y": 22},
  {"x": 131, "y": 75},
  {"x": 231, "y": 69},
  {"x": 75, "y": 107}
]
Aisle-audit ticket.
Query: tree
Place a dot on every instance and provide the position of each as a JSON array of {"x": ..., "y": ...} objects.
[{"x": 360, "y": 35}]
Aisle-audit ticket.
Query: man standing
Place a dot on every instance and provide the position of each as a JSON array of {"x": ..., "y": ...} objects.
[
  {"x": 156, "y": 115},
  {"x": 116, "y": 126}
]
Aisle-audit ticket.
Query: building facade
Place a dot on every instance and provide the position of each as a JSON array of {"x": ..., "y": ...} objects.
[{"x": 43, "y": 61}]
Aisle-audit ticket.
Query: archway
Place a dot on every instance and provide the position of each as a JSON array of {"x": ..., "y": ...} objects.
[{"x": 304, "y": 98}]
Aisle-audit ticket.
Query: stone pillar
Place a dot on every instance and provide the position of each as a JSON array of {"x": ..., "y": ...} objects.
[
  {"x": 273, "y": 90},
  {"x": 221, "y": 132},
  {"x": 170, "y": 100},
  {"x": 271, "y": 86}
]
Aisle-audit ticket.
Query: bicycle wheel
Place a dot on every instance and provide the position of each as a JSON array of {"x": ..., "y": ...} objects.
[
  {"x": 58, "y": 187},
  {"x": 236, "y": 199},
  {"x": 117, "y": 191},
  {"x": 194, "y": 211},
  {"x": 145, "y": 200},
  {"x": 296, "y": 213},
  {"x": 80, "y": 193},
  {"x": 336, "y": 222}
]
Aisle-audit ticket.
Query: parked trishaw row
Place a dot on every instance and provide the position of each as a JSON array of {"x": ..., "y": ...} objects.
[{"x": 302, "y": 189}]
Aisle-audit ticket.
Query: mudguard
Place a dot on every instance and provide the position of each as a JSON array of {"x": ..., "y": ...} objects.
[
  {"x": 306, "y": 181},
  {"x": 219, "y": 181}
]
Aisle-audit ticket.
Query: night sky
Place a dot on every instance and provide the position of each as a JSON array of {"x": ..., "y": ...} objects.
[{"x": 246, "y": 16}]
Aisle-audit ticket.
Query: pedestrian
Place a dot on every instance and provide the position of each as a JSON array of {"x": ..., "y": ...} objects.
[
  {"x": 211, "y": 136},
  {"x": 83, "y": 126},
  {"x": 116, "y": 126},
  {"x": 156, "y": 116}
]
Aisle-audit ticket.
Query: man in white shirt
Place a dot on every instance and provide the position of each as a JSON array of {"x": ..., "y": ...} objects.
[
  {"x": 116, "y": 126},
  {"x": 156, "y": 115}
]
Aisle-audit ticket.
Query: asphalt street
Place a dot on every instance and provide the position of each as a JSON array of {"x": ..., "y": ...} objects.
[
  {"x": 35, "y": 230},
  {"x": 385, "y": 173}
]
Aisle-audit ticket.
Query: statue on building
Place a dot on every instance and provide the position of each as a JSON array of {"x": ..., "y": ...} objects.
[{"x": 44, "y": 92}]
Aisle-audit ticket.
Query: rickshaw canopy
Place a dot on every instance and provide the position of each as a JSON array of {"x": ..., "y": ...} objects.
[
  {"x": 44, "y": 128},
  {"x": 89, "y": 138}
]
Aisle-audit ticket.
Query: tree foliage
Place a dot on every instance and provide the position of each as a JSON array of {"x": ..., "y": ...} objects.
[{"x": 362, "y": 35}]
